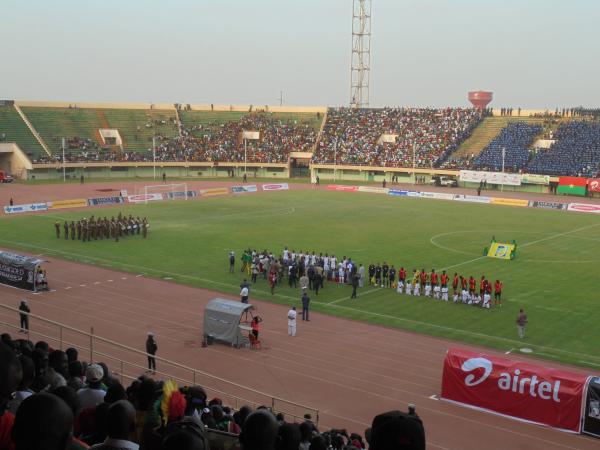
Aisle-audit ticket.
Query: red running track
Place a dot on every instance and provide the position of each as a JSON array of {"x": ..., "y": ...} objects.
[{"x": 349, "y": 370}]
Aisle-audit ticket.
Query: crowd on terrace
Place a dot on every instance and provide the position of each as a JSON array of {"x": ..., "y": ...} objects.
[
  {"x": 576, "y": 151},
  {"x": 390, "y": 137},
  {"x": 52, "y": 400},
  {"x": 211, "y": 142},
  {"x": 515, "y": 140},
  {"x": 385, "y": 137}
]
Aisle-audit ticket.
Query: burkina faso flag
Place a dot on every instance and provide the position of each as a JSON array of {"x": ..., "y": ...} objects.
[{"x": 571, "y": 186}]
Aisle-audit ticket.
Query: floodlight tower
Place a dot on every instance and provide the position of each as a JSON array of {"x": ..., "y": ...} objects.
[{"x": 360, "y": 63}]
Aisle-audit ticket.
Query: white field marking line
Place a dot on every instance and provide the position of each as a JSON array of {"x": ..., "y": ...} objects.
[
  {"x": 348, "y": 297},
  {"x": 96, "y": 282},
  {"x": 140, "y": 275},
  {"x": 415, "y": 322},
  {"x": 67, "y": 288},
  {"x": 527, "y": 244},
  {"x": 458, "y": 330},
  {"x": 434, "y": 397},
  {"x": 590, "y": 363},
  {"x": 110, "y": 281},
  {"x": 82, "y": 285},
  {"x": 508, "y": 352}
]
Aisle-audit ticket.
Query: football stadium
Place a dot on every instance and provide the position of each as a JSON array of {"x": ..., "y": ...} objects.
[{"x": 222, "y": 274}]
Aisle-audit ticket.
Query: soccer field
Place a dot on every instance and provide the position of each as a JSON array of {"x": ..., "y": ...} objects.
[{"x": 554, "y": 277}]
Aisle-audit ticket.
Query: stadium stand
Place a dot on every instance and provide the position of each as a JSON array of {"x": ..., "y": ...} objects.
[
  {"x": 218, "y": 137},
  {"x": 515, "y": 139},
  {"x": 576, "y": 151},
  {"x": 386, "y": 137},
  {"x": 13, "y": 129},
  {"x": 80, "y": 127},
  {"x": 74, "y": 404}
]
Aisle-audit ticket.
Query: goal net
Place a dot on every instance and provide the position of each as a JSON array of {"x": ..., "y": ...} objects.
[{"x": 177, "y": 191}]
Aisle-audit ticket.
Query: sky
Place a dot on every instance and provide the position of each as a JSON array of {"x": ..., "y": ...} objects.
[{"x": 530, "y": 53}]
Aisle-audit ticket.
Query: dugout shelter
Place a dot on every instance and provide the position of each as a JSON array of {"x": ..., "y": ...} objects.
[
  {"x": 227, "y": 321},
  {"x": 19, "y": 271}
]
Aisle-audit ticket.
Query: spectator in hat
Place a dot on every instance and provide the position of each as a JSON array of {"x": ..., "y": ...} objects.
[
  {"x": 24, "y": 316},
  {"x": 43, "y": 422},
  {"x": 93, "y": 394},
  {"x": 120, "y": 426},
  {"x": 395, "y": 430},
  {"x": 151, "y": 348}
]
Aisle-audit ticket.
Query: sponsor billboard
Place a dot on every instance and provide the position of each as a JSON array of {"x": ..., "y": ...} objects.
[
  {"x": 437, "y": 195},
  {"x": 18, "y": 270},
  {"x": 510, "y": 201},
  {"x": 341, "y": 187},
  {"x": 275, "y": 187},
  {"x": 475, "y": 176},
  {"x": 214, "y": 191},
  {"x": 373, "y": 189},
  {"x": 140, "y": 198},
  {"x": 584, "y": 207},
  {"x": 105, "y": 201},
  {"x": 243, "y": 189},
  {"x": 403, "y": 193},
  {"x": 547, "y": 205},
  {"x": 513, "y": 388},
  {"x": 593, "y": 184},
  {"x": 471, "y": 198},
  {"x": 72, "y": 203},
  {"x": 181, "y": 195},
  {"x": 532, "y": 178},
  {"x": 25, "y": 208}
]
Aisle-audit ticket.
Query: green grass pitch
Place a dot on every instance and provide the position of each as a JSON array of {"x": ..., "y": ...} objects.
[{"x": 555, "y": 276}]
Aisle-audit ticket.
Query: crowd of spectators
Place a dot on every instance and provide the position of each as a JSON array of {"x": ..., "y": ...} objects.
[
  {"x": 211, "y": 142},
  {"x": 51, "y": 400},
  {"x": 515, "y": 139},
  {"x": 576, "y": 151},
  {"x": 357, "y": 136}
]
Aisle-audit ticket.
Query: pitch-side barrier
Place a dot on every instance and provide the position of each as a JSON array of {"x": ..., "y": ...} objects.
[{"x": 128, "y": 363}]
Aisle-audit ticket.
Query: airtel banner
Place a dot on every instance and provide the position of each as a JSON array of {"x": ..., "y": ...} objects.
[{"x": 517, "y": 389}]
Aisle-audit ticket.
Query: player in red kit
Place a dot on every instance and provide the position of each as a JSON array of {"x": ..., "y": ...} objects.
[
  {"x": 498, "y": 293},
  {"x": 423, "y": 278},
  {"x": 402, "y": 275},
  {"x": 472, "y": 285}
]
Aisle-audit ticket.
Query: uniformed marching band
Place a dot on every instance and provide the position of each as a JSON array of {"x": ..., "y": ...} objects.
[{"x": 102, "y": 228}]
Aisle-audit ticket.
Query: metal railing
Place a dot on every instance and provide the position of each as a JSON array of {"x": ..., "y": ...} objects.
[{"x": 131, "y": 362}]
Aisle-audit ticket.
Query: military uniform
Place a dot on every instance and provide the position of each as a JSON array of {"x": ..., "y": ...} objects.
[
  {"x": 72, "y": 230},
  {"x": 66, "y": 229},
  {"x": 57, "y": 228}
]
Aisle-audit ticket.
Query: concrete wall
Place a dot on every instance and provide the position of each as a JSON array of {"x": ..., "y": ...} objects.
[
  {"x": 14, "y": 160},
  {"x": 146, "y": 170},
  {"x": 171, "y": 106}
]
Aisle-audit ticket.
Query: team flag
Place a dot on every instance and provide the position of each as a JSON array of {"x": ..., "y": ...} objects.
[{"x": 572, "y": 186}]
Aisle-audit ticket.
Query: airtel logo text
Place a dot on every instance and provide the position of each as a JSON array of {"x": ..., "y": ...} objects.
[{"x": 511, "y": 382}]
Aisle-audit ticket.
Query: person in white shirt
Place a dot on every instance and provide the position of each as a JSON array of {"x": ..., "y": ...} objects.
[
  {"x": 417, "y": 289},
  {"x": 436, "y": 292},
  {"x": 486, "y": 300},
  {"x": 361, "y": 276},
  {"x": 445, "y": 294},
  {"x": 244, "y": 294},
  {"x": 341, "y": 274},
  {"x": 428, "y": 290},
  {"x": 291, "y": 315},
  {"x": 408, "y": 288},
  {"x": 92, "y": 395},
  {"x": 465, "y": 296},
  {"x": 400, "y": 287}
]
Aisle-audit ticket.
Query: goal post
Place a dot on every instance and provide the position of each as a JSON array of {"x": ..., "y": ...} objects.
[{"x": 176, "y": 191}]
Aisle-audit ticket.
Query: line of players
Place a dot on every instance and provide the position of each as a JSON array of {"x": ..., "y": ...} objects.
[
  {"x": 102, "y": 228},
  {"x": 436, "y": 285}
]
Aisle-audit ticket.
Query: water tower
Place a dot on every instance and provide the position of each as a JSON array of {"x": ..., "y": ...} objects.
[{"x": 480, "y": 99}]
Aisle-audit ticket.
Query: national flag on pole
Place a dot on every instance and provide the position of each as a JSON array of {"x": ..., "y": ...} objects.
[{"x": 572, "y": 186}]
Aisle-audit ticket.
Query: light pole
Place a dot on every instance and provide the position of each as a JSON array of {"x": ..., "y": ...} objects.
[
  {"x": 154, "y": 156},
  {"x": 245, "y": 156},
  {"x": 334, "y": 157},
  {"x": 414, "y": 162},
  {"x": 63, "y": 160},
  {"x": 503, "y": 156}
]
